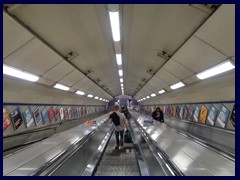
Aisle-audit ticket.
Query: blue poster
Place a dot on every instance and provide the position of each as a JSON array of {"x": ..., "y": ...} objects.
[
  {"x": 16, "y": 118},
  {"x": 212, "y": 115},
  {"x": 196, "y": 114},
  {"x": 27, "y": 115},
  {"x": 45, "y": 115},
  {"x": 223, "y": 116},
  {"x": 37, "y": 116}
]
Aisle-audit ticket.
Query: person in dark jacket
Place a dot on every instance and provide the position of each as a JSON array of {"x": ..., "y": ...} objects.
[{"x": 158, "y": 115}]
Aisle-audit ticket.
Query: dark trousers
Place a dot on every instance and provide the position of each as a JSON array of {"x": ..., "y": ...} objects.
[{"x": 117, "y": 133}]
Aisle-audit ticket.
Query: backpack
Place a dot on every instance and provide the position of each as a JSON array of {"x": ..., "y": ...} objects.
[{"x": 115, "y": 119}]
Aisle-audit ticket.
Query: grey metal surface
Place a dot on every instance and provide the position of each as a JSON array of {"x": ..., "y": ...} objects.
[
  {"x": 223, "y": 139},
  {"x": 117, "y": 162},
  {"x": 190, "y": 157},
  {"x": 28, "y": 160}
]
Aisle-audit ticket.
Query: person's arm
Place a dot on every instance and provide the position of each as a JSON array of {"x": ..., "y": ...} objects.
[{"x": 125, "y": 123}]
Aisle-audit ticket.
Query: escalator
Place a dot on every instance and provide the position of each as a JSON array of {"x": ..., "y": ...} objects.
[{"x": 116, "y": 162}]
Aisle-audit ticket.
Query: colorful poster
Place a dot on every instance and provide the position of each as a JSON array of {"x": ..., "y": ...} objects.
[
  {"x": 16, "y": 118},
  {"x": 177, "y": 111},
  {"x": 56, "y": 114},
  {"x": 45, "y": 115},
  {"x": 233, "y": 116},
  {"x": 51, "y": 114},
  {"x": 61, "y": 113},
  {"x": 203, "y": 114},
  {"x": 212, "y": 115},
  {"x": 69, "y": 113},
  {"x": 223, "y": 116},
  {"x": 74, "y": 112},
  {"x": 190, "y": 113},
  {"x": 196, "y": 114},
  {"x": 181, "y": 112},
  {"x": 174, "y": 110},
  {"x": 65, "y": 111},
  {"x": 27, "y": 115},
  {"x": 6, "y": 119},
  {"x": 185, "y": 112},
  {"x": 37, "y": 116}
]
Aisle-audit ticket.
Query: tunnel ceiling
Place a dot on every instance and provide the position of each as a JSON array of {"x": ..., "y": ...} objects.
[{"x": 161, "y": 45}]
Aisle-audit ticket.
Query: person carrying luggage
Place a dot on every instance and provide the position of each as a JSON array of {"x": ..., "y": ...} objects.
[{"x": 119, "y": 122}]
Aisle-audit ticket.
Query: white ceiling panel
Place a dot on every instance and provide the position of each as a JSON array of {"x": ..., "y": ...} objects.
[
  {"x": 72, "y": 90},
  {"x": 45, "y": 81},
  {"x": 177, "y": 69},
  {"x": 34, "y": 57},
  {"x": 191, "y": 79},
  {"x": 167, "y": 77},
  {"x": 72, "y": 78},
  {"x": 14, "y": 35},
  {"x": 219, "y": 30},
  {"x": 59, "y": 71},
  {"x": 197, "y": 55}
]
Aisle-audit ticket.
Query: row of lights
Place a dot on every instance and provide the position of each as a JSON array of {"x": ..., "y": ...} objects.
[
  {"x": 115, "y": 26},
  {"x": 11, "y": 71},
  {"x": 215, "y": 70}
]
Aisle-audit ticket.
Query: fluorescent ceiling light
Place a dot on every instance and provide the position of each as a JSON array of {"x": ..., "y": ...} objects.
[
  {"x": 153, "y": 94},
  {"x": 89, "y": 95},
  {"x": 100, "y": 99},
  {"x": 11, "y": 71},
  {"x": 120, "y": 72},
  {"x": 218, "y": 69},
  {"x": 147, "y": 97},
  {"x": 62, "y": 87},
  {"x": 144, "y": 98},
  {"x": 115, "y": 25},
  {"x": 161, "y": 92},
  {"x": 121, "y": 80},
  {"x": 80, "y": 92},
  {"x": 121, "y": 85},
  {"x": 177, "y": 85},
  {"x": 119, "y": 59},
  {"x": 96, "y": 97}
]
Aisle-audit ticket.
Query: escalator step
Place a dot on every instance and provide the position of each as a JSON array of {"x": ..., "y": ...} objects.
[{"x": 117, "y": 174}]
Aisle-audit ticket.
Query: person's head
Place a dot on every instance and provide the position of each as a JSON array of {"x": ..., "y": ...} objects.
[
  {"x": 158, "y": 109},
  {"x": 116, "y": 108}
]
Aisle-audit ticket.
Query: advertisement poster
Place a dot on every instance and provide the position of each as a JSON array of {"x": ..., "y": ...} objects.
[
  {"x": 51, "y": 114},
  {"x": 69, "y": 112},
  {"x": 85, "y": 111},
  {"x": 65, "y": 111},
  {"x": 203, "y": 114},
  {"x": 185, "y": 112},
  {"x": 45, "y": 115},
  {"x": 223, "y": 116},
  {"x": 57, "y": 114},
  {"x": 233, "y": 116},
  {"x": 6, "y": 119},
  {"x": 190, "y": 113},
  {"x": 81, "y": 111},
  {"x": 177, "y": 111},
  {"x": 16, "y": 118},
  {"x": 61, "y": 113},
  {"x": 212, "y": 115},
  {"x": 37, "y": 116},
  {"x": 181, "y": 112},
  {"x": 27, "y": 115},
  {"x": 74, "y": 112},
  {"x": 174, "y": 111},
  {"x": 196, "y": 114}
]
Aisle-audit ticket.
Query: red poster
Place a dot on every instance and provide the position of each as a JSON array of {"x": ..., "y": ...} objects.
[
  {"x": 57, "y": 114},
  {"x": 51, "y": 114}
]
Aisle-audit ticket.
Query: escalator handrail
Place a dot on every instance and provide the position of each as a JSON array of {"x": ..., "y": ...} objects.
[{"x": 75, "y": 145}]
